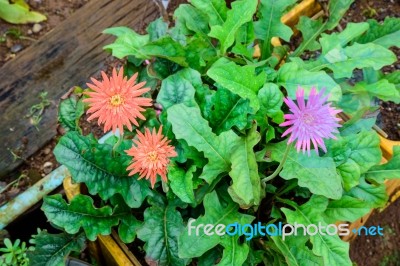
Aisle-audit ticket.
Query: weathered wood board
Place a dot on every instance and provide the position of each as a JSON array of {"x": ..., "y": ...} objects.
[{"x": 66, "y": 56}]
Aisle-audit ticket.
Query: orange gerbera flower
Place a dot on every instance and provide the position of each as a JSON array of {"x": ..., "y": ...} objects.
[
  {"x": 115, "y": 101},
  {"x": 151, "y": 155}
]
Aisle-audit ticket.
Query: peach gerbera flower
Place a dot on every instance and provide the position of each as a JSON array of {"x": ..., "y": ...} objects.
[
  {"x": 116, "y": 101},
  {"x": 150, "y": 155}
]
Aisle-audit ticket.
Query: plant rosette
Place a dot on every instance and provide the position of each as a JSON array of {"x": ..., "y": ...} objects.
[{"x": 216, "y": 156}]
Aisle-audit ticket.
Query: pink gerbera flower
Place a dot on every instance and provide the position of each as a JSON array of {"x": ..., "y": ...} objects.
[
  {"x": 116, "y": 101},
  {"x": 310, "y": 122},
  {"x": 151, "y": 155}
]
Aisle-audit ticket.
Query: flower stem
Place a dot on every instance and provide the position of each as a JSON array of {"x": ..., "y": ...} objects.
[
  {"x": 280, "y": 166},
  {"x": 117, "y": 144}
]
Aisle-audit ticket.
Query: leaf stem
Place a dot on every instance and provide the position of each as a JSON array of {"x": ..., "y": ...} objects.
[{"x": 280, "y": 166}]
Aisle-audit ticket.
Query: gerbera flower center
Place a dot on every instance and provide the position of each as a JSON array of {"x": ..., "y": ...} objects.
[
  {"x": 116, "y": 100},
  {"x": 307, "y": 118},
  {"x": 152, "y": 156}
]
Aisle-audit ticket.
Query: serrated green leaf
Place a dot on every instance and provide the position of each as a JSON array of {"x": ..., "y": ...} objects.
[
  {"x": 188, "y": 124},
  {"x": 16, "y": 13},
  {"x": 342, "y": 61},
  {"x": 386, "y": 34},
  {"x": 291, "y": 75},
  {"x": 177, "y": 89},
  {"x": 52, "y": 249},
  {"x": 161, "y": 228},
  {"x": 269, "y": 24},
  {"x": 82, "y": 213},
  {"x": 295, "y": 251},
  {"x": 233, "y": 112},
  {"x": 166, "y": 48},
  {"x": 157, "y": 29},
  {"x": 318, "y": 174},
  {"x": 346, "y": 209},
  {"x": 216, "y": 10},
  {"x": 382, "y": 90},
  {"x": 128, "y": 42},
  {"x": 242, "y": 11},
  {"x": 354, "y": 155},
  {"x": 92, "y": 163},
  {"x": 373, "y": 195},
  {"x": 241, "y": 80},
  {"x": 389, "y": 170},
  {"x": 181, "y": 182},
  {"x": 331, "y": 248},
  {"x": 194, "y": 19},
  {"x": 70, "y": 111},
  {"x": 246, "y": 187},
  {"x": 244, "y": 40},
  {"x": 196, "y": 245},
  {"x": 308, "y": 28}
]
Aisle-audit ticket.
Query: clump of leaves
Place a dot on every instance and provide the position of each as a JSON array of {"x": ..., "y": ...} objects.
[
  {"x": 14, "y": 253},
  {"x": 222, "y": 108}
]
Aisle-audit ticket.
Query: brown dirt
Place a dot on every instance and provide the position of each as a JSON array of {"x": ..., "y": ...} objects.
[{"x": 55, "y": 11}]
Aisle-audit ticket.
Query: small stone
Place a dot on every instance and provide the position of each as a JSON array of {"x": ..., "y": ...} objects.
[
  {"x": 16, "y": 48},
  {"x": 29, "y": 32},
  {"x": 37, "y": 28},
  {"x": 47, "y": 167},
  {"x": 47, "y": 151}
]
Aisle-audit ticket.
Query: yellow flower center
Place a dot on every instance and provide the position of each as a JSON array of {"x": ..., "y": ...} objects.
[
  {"x": 152, "y": 156},
  {"x": 116, "y": 100}
]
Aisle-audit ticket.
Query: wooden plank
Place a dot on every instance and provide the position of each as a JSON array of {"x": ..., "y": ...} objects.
[{"x": 67, "y": 56}]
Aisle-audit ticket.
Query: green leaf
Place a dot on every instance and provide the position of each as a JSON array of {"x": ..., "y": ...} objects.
[
  {"x": 232, "y": 113},
  {"x": 295, "y": 251},
  {"x": 69, "y": 112},
  {"x": 336, "y": 10},
  {"x": 53, "y": 249},
  {"x": 382, "y": 90},
  {"x": 386, "y": 34},
  {"x": 341, "y": 39},
  {"x": 269, "y": 24},
  {"x": 167, "y": 48},
  {"x": 308, "y": 28},
  {"x": 128, "y": 42},
  {"x": 82, "y": 213},
  {"x": 234, "y": 253},
  {"x": 181, "y": 182},
  {"x": 193, "y": 245},
  {"x": 241, "y": 80},
  {"x": 19, "y": 14},
  {"x": 394, "y": 78},
  {"x": 216, "y": 10},
  {"x": 246, "y": 187},
  {"x": 346, "y": 209},
  {"x": 244, "y": 40},
  {"x": 342, "y": 61},
  {"x": 194, "y": 19},
  {"x": 373, "y": 195},
  {"x": 331, "y": 248},
  {"x": 354, "y": 155},
  {"x": 92, "y": 163},
  {"x": 157, "y": 29},
  {"x": 242, "y": 11},
  {"x": 271, "y": 99},
  {"x": 389, "y": 170},
  {"x": 161, "y": 228},
  {"x": 291, "y": 75},
  {"x": 318, "y": 174},
  {"x": 178, "y": 88},
  {"x": 188, "y": 124}
]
